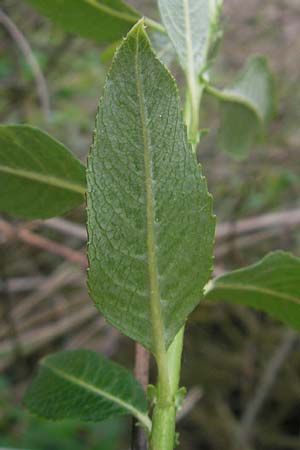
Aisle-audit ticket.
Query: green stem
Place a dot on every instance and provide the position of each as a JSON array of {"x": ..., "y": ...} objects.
[
  {"x": 164, "y": 414},
  {"x": 154, "y": 25}
]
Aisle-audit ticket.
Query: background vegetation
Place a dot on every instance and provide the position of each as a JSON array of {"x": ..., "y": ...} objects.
[{"x": 243, "y": 368}]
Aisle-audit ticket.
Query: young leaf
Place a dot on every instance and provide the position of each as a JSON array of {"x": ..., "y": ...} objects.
[
  {"x": 39, "y": 177},
  {"x": 102, "y": 20},
  {"x": 271, "y": 285},
  {"x": 83, "y": 385},
  {"x": 246, "y": 107},
  {"x": 188, "y": 25},
  {"x": 150, "y": 224}
]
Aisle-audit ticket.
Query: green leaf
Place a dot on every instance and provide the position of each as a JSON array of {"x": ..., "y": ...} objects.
[
  {"x": 83, "y": 385},
  {"x": 188, "y": 25},
  {"x": 246, "y": 107},
  {"x": 102, "y": 20},
  {"x": 150, "y": 224},
  {"x": 39, "y": 177},
  {"x": 271, "y": 285}
]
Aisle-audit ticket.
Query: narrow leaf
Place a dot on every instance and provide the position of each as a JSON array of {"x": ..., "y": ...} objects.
[
  {"x": 149, "y": 213},
  {"x": 102, "y": 20},
  {"x": 188, "y": 25},
  {"x": 246, "y": 107},
  {"x": 83, "y": 385},
  {"x": 39, "y": 177},
  {"x": 271, "y": 285}
]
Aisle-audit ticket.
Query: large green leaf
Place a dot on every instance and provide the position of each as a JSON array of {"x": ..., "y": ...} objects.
[
  {"x": 271, "y": 285},
  {"x": 246, "y": 106},
  {"x": 83, "y": 385},
  {"x": 188, "y": 25},
  {"x": 150, "y": 223},
  {"x": 103, "y": 20},
  {"x": 39, "y": 177}
]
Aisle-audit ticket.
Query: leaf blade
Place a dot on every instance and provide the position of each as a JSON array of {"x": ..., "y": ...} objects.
[
  {"x": 246, "y": 107},
  {"x": 271, "y": 285},
  {"x": 40, "y": 178},
  {"x": 138, "y": 218},
  {"x": 188, "y": 24},
  {"x": 83, "y": 385},
  {"x": 103, "y": 20}
]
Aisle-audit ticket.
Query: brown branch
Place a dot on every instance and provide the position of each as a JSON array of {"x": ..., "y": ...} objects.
[
  {"x": 264, "y": 387},
  {"x": 278, "y": 219},
  {"x": 35, "y": 240},
  {"x": 141, "y": 372},
  {"x": 224, "y": 230}
]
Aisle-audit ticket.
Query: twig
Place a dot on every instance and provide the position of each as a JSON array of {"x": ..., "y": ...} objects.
[
  {"x": 66, "y": 227},
  {"x": 62, "y": 276},
  {"x": 141, "y": 372},
  {"x": 224, "y": 230},
  {"x": 38, "y": 338},
  {"x": 52, "y": 247},
  {"x": 278, "y": 219},
  {"x": 244, "y": 241},
  {"x": 192, "y": 398},
  {"x": 265, "y": 385},
  {"x": 21, "y": 284},
  {"x": 35, "y": 240},
  {"x": 31, "y": 60},
  {"x": 86, "y": 334}
]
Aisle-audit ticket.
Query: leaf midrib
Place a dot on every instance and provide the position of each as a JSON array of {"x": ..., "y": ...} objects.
[
  {"x": 143, "y": 418},
  {"x": 188, "y": 38},
  {"x": 106, "y": 9},
  {"x": 45, "y": 179},
  {"x": 252, "y": 288},
  {"x": 155, "y": 306}
]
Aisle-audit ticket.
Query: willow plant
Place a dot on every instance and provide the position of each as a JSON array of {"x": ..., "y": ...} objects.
[{"x": 149, "y": 214}]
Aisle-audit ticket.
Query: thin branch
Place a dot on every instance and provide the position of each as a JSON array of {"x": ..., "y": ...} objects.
[
  {"x": 25, "y": 235},
  {"x": 288, "y": 218},
  {"x": 31, "y": 60},
  {"x": 264, "y": 387},
  {"x": 141, "y": 372},
  {"x": 192, "y": 398}
]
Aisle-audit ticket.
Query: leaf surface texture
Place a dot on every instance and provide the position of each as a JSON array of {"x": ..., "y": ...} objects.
[
  {"x": 150, "y": 223},
  {"x": 83, "y": 385}
]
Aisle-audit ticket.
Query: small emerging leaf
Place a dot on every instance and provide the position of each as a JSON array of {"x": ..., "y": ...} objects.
[
  {"x": 271, "y": 285},
  {"x": 246, "y": 107},
  {"x": 102, "y": 20},
  {"x": 83, "y": 385},
  {"x": 39, "y": 177},
  {"x": 150, "y": 224}
]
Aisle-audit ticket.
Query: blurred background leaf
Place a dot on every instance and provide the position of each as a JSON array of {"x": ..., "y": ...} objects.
[{"x": 245, "y": 107}]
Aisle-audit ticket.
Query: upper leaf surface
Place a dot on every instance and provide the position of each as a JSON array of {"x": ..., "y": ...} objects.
[
  {"x": 102, "y": 20},
  {"x": 39, "y": 177},
  {"x": 188, "y": 24},
  {"x": 271, "y": 285},
  {"x": 149, "y": 213},
  {"x": 83, "y": 385},
  {"x": 246, "y": 107}
]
